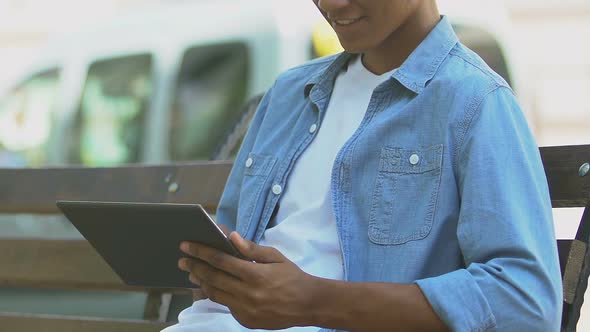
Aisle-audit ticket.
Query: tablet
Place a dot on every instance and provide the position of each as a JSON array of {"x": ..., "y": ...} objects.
[{"x": 140, "y": 241}]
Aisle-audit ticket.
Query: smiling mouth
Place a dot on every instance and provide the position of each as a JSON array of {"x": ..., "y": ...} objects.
[{"x": 345, "y": 22}]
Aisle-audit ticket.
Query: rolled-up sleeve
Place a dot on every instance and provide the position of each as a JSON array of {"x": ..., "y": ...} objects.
[{"x": 512, "y": 279}]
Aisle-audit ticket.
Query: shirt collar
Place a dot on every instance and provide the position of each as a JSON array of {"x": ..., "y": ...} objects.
[
  {"x": 414, "y": 73},
  {"x": 422, "y": 64},
  {"x": 322, "y": 80}
]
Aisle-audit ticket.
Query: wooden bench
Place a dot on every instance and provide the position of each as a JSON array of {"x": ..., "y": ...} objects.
[{"x": 73, "y": 264}]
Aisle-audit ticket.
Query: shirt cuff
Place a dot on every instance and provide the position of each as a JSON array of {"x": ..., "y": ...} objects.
[{"x": 458, "y": 301}]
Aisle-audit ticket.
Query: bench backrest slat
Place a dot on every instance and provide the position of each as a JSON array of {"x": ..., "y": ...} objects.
[
  {"x": 36, "y": 190},
  {"x": 56, "y": 264}
]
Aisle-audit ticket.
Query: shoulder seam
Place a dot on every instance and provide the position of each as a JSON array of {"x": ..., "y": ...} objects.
[
  {"x": 465, "y": 125},
  {"x": 456, "y": 53}
]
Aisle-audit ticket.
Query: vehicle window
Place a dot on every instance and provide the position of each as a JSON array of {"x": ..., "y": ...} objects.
[
  {"x": 211, "y": 90},
  {"x": 26, "y": 118},
  {"x": 109, "y": 125},
  {"x": 230, "y": 145}
]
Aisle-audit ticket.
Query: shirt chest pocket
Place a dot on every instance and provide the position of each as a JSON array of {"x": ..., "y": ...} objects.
[
  {"x": 405, "y": 194},
  {"x": 257, "y": 171}
]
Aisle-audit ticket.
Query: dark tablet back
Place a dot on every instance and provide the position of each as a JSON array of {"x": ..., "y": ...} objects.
[{"x": 140, "y": 241}]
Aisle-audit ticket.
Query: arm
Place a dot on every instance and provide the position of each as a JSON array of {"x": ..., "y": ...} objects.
[
  {"x": 372, "y": 307},
  {"x": 512, "y": 281}
]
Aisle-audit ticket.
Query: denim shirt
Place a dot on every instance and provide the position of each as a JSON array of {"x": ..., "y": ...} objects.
[{"x": 441, "y": 185}]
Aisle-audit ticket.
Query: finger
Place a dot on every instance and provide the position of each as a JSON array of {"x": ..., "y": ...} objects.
[
  {"x": 218, "y": 259},
  {"x": 185, "y": 264},
  {"x": 194, "y": 279},
  {"x": 218, "y": 295},
  {"x": 206, "y": 274},
  {"x": 252, "y": 251}
]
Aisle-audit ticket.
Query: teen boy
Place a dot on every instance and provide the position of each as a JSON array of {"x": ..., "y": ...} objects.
[{"x": 394, "y": 187}]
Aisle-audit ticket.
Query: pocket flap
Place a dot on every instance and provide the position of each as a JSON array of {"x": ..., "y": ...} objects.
[{"x": 402, "y": 160}]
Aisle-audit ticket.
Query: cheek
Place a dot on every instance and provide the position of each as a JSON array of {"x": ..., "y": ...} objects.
[{"x": 381, "y": 28}]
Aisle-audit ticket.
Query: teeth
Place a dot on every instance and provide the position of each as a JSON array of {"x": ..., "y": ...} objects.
[{"x": 346, "y": 22}]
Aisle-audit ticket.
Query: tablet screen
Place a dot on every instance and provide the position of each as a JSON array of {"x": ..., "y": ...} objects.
[{"x": 140, "y": 241}]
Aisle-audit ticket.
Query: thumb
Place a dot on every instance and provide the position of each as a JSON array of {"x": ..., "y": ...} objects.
[{"x": 257, "y": 253}]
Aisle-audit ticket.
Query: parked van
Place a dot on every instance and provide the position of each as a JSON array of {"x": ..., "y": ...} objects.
[{"x": 168, "y": 84}]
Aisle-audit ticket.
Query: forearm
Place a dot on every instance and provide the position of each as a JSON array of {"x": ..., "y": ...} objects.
[{"x": 371, "y": 307}]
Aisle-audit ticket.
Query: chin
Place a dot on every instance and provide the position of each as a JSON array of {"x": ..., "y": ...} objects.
[
  {"x": 356, "y": 45},
  {"x": 354, "y": 48}
]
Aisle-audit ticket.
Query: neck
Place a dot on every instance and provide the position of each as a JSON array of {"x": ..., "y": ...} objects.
[{"x": 392, "y": 53}]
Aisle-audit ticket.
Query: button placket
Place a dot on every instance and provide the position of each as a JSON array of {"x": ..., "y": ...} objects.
[
  {"x": 313, "y": 128},
  {"x": 277, "y": 189}
]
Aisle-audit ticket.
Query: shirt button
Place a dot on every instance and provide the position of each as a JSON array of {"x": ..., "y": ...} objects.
[
  {"x": 313, "y": 128},
  {"x": 249, "y": 162},
  {"x": 414, "y": 159},
  {"x": 277, "y": 189}
]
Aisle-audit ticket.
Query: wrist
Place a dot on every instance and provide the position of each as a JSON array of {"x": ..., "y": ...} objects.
[
  {"x": 308, "y": 301},
  {"x": 326, "y": 303},
  {"x": 313, "y": 301}
]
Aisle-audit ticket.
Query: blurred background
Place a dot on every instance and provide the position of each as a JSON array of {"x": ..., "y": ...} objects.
[{"x": 109, "y": 82}]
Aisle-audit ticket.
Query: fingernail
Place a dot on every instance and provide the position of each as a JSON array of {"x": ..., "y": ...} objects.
[
  {"x": 194, "y": 280},
  {"x": 184, "y": 246}
]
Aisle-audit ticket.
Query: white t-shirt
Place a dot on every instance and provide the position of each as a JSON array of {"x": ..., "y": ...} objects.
[{"x": 305, "y": 230}]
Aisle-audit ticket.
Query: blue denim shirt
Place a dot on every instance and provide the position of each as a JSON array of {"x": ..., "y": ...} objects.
[{"x": 442, "y": 185}]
